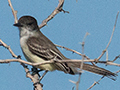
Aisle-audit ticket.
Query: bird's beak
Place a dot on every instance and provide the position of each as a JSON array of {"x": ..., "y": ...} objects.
[{"x": 17, "y": 25}]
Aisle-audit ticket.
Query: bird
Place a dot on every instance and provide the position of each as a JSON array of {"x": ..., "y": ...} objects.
[{"x": 37, "y": 48}]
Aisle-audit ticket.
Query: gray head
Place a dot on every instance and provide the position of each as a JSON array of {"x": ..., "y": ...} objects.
[
  {"x": 27, "y": 22},
  {"x": 27, "y": 26}
]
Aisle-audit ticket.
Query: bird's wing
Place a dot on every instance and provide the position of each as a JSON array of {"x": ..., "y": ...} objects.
[{"x": 46, "y": 50}]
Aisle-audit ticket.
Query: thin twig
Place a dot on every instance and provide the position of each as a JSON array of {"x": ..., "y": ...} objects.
[
  {"x": 8, "y": 47},
  {"x": 43, "y": 75},
  {"x": 116, "y": 58},
  {"x": 74, "y": 51},
  {"x": 103, "y": 52},
  {"x": 111, "y": 63},
  {"x": 78, "y": 82},
  {"x": 117, "y": 71},
  {"x": 52, "y": 15},
  {"x": 81, "y": 66},
  {"x": 106, "y": 55},
  {"x": 83, "y": 44},
  {"x": 13, "y": 11},
  {"x": 95, "y": 83}
]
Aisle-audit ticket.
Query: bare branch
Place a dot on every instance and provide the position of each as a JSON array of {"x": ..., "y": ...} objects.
[
  {"x": 110, "y": 38},
  {"x": 8, "y": 47},
  {"x": 117, "y": 71},
  {"x": 43, "y": 75},
  {"x": 34, "y": 77},
  {"x": 73, "y": 51},
  {"x": 95, "y": 83},
  {"x": 45, "y": 62},
  {"x": 109, "y": 63},
  {"x": 81, "y": 66},
  {"x": 56, "y": 61},
  {"x": 116, "y": 58},
  {"x": 13, "y": 11},
  {"x": 55, "y": 12}
]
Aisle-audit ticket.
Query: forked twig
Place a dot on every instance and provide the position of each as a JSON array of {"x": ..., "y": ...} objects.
[{"x": 55, "y": 12}]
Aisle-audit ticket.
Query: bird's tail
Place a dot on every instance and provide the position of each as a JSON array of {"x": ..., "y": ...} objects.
[{"x": 93, "y": 69}]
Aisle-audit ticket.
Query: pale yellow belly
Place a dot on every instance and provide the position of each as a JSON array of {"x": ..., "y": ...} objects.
[{"x": 35, "y": 59}]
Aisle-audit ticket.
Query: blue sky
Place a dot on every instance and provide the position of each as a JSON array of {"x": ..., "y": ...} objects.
[{"x": 94, "y": 16}]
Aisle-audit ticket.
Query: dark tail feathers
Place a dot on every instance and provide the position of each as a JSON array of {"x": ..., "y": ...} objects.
[{"x": 93, "y": 69}]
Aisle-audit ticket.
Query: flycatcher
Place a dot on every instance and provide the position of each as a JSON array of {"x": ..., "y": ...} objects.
[{"x": 38, "y": 48}]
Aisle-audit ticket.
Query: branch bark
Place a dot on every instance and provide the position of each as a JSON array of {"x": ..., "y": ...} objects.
[
  {"x": 52, "y": 15},
  {"x": 13, "y": 11},
  {"x": 103, "y": 52}
]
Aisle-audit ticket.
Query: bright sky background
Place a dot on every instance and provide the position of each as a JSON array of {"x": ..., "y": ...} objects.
[{"x": 94, "y": 16}]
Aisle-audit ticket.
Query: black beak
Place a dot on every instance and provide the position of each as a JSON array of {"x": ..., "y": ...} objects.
[{"x": 17, "y": 25}]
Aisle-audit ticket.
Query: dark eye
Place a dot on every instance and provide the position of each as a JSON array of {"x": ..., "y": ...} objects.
[{"x": 30, "y": 23}]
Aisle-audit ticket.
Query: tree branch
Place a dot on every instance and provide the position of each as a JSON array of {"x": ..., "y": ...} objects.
[
  {"x": 13, "y": 11},
  {"x": 74, "y": 51},
  {"x": 8, "y": 47},
  {"x": 52, "y": 15},
  {"x": 56, "y": 61},
  {"x": 103, "y": 52},
  {"x": 95, "y": 83}
]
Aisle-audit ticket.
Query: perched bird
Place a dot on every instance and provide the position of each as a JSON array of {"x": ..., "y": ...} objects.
[{"x": 38, "y": 48}]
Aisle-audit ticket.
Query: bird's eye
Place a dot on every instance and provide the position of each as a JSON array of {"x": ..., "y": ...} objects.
[{"x": 30, "y": 23}]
